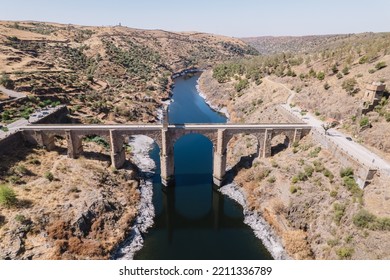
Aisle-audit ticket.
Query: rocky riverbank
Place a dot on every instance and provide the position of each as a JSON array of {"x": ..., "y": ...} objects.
[{"x": 141, "y": 146}]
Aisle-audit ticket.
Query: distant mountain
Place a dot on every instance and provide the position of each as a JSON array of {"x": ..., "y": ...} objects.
[{"x": 302, "y": 44}]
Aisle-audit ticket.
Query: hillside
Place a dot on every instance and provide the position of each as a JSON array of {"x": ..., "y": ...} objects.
[
  {"x": 346, "y": 222},
  {"x": 330, "y": 83},
  {"x": 53, "y": 207},
  {"x": 303, "y": 44},
  {"x": 104, "y": 73}
]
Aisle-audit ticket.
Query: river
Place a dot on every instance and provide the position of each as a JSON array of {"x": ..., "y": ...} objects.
[{"x": 192, "y": 219}]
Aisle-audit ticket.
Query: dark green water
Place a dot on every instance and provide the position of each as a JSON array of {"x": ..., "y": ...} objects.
[{"x": 193, "y": 220}]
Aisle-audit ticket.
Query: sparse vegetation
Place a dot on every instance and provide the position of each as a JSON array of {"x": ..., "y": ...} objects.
[
  {"x": 345, "y": 252},
  {"x": 293, "y": 189},
  {"x": 7, "y": 196},
  {"x": 339, "y": 210},
  {"x": 364, "y": 121},
  {"x": 49, "y": 176},
  {"x": 380, "y": 65},
  {"x": 350, "y": 86},
  {"x": 364, "y": 219}
]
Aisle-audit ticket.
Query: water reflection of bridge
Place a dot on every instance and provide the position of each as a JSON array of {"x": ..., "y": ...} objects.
[{"x": 216, "y": 216}]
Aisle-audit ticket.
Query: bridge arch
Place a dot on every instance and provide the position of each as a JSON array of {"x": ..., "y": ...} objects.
[
  {"x": 211, "y": 135},
  {"x": 242, "y": 148},
  {"x": 280, "y": 142}
]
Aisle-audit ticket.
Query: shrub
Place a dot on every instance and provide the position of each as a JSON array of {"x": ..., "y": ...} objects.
[
  {"x": 318, "y": 167},
  {"x": 241, "y": 85},
  {"x": 363, "y": 219},
  {"x": 293, "y": 189},
  {"x": 364, "y": 121},
  {"x": 339, "y": 75},
  {"x": 346, "y": 172},
  {"x": 98, "y": 140},
  {"x": 20, "y": 218},
  {"x": 349, "y": 86},
  {"x": 308, "y": 170},
  {"x": 294, "y": 179},
  {"x": 6, "y": 81},
  {"x": 314, "y": 153},
  {"x": 333, "y": 193},
  {"x": 320, "y": 75},
  {"x": 349, "y": 182},
  {"x": 333, "y": 242},
  {"x": 363, "y": 59},
  {"x": 382, "y": 223},
  {"x": 21, "y": 169},
  {"x": 302, "y": 176},
  {"x": 380, "y": 65},
  {"x": 49, "y": 176},
  {"x": 328, "y": 174},
  {"x": 345, "y": 253},
  {"x": 345, "y": 70},
  {"x": 339, "y": 210},
  {"x": 371, "y": 71},
  {"x": 271, "y": 179},
  {"x": 7, "y": 196}
]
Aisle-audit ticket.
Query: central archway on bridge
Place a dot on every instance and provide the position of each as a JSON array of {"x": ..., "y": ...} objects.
[
  {"x": 242, "y": 149},
  {"x": 279, "y": 143},
  {"x": 96, "y": 147},
  {"x": 193, "y": 160}
]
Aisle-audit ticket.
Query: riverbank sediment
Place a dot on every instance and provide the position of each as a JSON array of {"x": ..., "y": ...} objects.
[
  {"x": 260, "y": 227},
  {"x": 141, "y": 146}
]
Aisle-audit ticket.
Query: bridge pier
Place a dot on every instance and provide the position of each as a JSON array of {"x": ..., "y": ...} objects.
[
  {"x": 75, "y": 144},
  {"x": 45, "y": 140},
  {"x": 219, "y": 159},
  {"x": 297, "y": 135},
  {"x": 118, "y": 153},
  {"x": 167, "y": 163},
  {"x": 266, "y": 152}
]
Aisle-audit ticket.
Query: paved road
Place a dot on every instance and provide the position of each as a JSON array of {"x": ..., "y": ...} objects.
[
  {"x": 18, "y": 124},
  {"x": 356, "y": 150},
  {"x": 12, "y": 93}
]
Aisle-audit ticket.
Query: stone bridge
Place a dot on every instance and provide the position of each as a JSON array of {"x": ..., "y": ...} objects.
[{"x": 165, "y": 135}]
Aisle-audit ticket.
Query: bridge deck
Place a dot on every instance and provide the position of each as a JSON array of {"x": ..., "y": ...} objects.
[{"x": 189, "y": 126}]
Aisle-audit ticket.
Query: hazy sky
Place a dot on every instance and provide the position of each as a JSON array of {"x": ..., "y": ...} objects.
[{"x": 227, "y": 17}]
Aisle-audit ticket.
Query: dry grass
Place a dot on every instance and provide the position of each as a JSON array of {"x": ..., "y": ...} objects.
[
  {"x": 84, "y": 212},
  {"x": 296, "y": 244}
]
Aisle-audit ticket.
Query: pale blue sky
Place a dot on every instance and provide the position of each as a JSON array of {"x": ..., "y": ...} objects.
[{"x": 227, "y": 17}]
